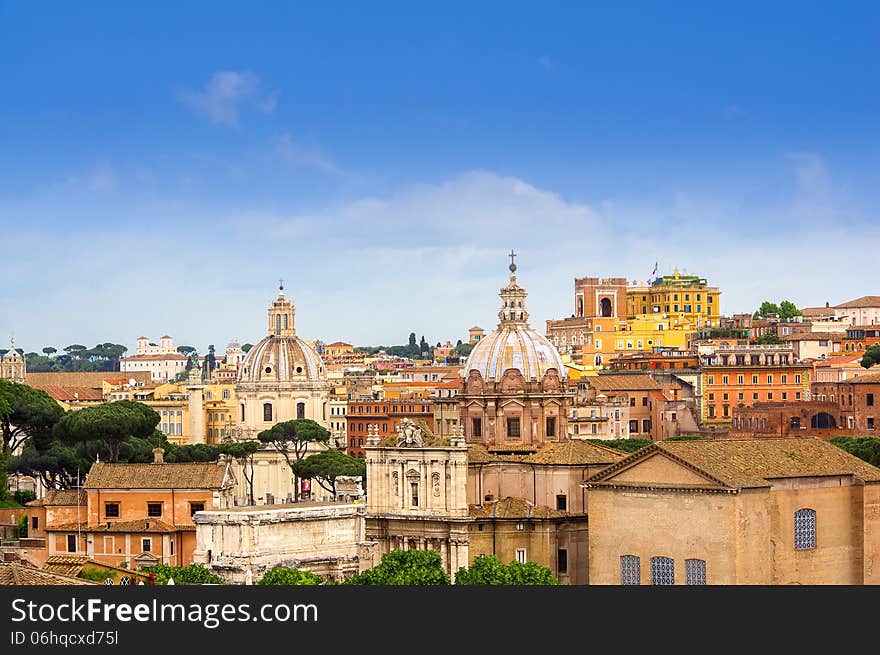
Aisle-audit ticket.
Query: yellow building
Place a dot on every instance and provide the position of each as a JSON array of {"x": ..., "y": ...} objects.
[
  {"x": 646, "y": 332},
  {"x": 680, "y": 296}
]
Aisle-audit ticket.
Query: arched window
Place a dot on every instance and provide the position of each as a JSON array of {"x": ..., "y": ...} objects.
[
  {"x": 695, "y": 571},
  {"x": 630, "y": 570},
  {"x": 605, "y": 307},
  {"x": 662, "y": 571},
  {"x": 285, "y": 321},
  {"x": 267, "y": 411},
  {"x": 300, "y": 410},
  {"x": 805, "y": 529}
]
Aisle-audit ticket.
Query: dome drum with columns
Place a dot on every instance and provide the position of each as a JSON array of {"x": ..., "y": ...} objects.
[
  {"x": 282, "y": 377},
  {"x": 513, "y": 392}
]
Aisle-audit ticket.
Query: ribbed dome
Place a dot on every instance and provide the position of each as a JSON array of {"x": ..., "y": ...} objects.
[
  {"x": 514, "y": 344},
  {"x": 518, "y": 347},
  {"x": 282, "y": 359},
  {"x": 282, "y": 356}
]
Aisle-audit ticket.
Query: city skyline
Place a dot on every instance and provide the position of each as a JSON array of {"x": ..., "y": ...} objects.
[{"x": 383, "y": 163}]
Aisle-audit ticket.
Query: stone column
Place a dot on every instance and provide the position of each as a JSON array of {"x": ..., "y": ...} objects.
[
  {"x": 196, "y": 416},
  {"x": 444, "y": 552}
]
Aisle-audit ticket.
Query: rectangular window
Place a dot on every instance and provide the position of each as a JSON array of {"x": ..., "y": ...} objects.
[
  {"x": 111, "y": 510},
  {"x": 513, "y": 428},
  {"x": 755, "y": 396},
  {"x": 71, "y": 543},
  {"x": 870, "y": 422},
  {"x": 630, "y": 570},
  {"x": 551, "y": 426},
  {"x": 695, "y": 571},
  {"x": 146, "y": 544},
  {"x": 632, "y": 402},
  {"x": 196, "y": 507},
  {"x": 154, "y": 509},
  {"x": 784, "y": 378},
  {"x": 804, "y": 529},
  {"x": 646, "y": 426},
  {"x": 769, "y": 379},
  {"x": 109, "y": 545},
  {"x": 725, "y": 380},
  {"x": 726, "y": 411},
  {"x": 869, "y": 399},
  {"x": 797, "y": 395},
  {"x": 662, "y": 571},
  {"x": 769, "y": 395},
  {"x": 414, "y": 491},
  {"x": 634, "y": 426},
  {"x": 797, "y": 379},
  {"x": 477, "y": 427},
  {"x": 35, "y": 522},
  {"x": 562, "y": 561},
  {"x": 711, "y": 396},
  {"x": 711, "y": 379},
  {"x": 739, "y": 379},
  {"x": 644, "y": 401},
  {"x": 562, "y": 502},
  {"x": 521, "y": 555},
  {"x": 754, "y": 379}
]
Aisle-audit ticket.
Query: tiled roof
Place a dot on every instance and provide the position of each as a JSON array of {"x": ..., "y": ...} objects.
[
  {"x": 21, "y": 575},
  {"x": 817, "y": 311},
  {"x": 815, "y": 336},
  {"x": 66, "y": 394},
  {"x": 840, "y": 359},
  {"x": 180, "y": 475},
  {"x": 870, "y": 378},
  {"x": 513, "y": 508},
  {"x": 750, "y": 463},
  {"x": 574, "y": 452},
  {"x": 61, "y": 497},
  {"x": 623, "y": 382},
  {"x": 864, "y": 301},
  {"x": 135, "y": 525},
  {"x": 337, "y": 344},
  {"x": 89, "y": 379}
]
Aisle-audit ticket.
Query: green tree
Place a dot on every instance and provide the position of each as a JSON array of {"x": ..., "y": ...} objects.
[
  {"x": 766, "y": 310},
  {"x": 282, "y": 575},
  {"x": 866, "y": 448},
  {"x": 246, "y": 347},
  {"x": 111, "y": 423},
  {"x": 489, "y": 570},
  {"x": 405, "y": 567},
  {"x": 292, "y": 439},
  {"x": 243, "y": 453},
  {"x": 23, "y": 527},
  {"x": 194, "y": 574},
  {"x": 788, "y": 310},
  {"x": 464, "y": 349},
  {"x": 25, "y": 413},
  {"x": 630, "y": 445},
  {"x": 871, "y": 356},
  {"x": 186, "y": 351},
  {"x": 412, "y": 340},
  {"x": 768, "y": 338},
  {"x": 49, "y": 351},
  {"x": 327, "y": 465}
]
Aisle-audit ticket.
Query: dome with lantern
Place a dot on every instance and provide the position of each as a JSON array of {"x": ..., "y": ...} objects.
[{"x": 514, "y": 345}]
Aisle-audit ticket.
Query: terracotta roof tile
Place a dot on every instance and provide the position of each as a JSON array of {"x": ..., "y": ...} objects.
[
  {"x": 869, "y": 378},
  {"x": 623, "y": 382},
  {"x": 864, "y": 301},
  {"x": 70, "y": 393},
  {"x": 180, "y": 475},
  {"x": 90, "y": 379},
  {"x": 26, "y": 576},
  {"x": 156, "y": 357},
  {"x": 749, "y": 463},
  {"x": 56, "y": 497},
  {"x": 574, "y": 452},
  {"x": 514, "y": 508},
  {"x": 134, "y": 525}
]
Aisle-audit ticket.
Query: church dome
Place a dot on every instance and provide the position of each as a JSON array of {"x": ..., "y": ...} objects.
[
  {"x": 514, "y": 344},
  {"x": 281, "y": 356}
]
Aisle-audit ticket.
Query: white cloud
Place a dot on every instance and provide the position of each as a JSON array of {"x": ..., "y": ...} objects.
[
  {"x": 103, "y": 178},
  {"x": 428, "y": 258},
  {"x": 295, "y": 154},
  {"x": 224, "y": 95},
  {"x": 546, "y": 62}
]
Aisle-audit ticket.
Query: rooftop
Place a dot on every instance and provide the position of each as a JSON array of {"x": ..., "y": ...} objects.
[
  {"x": 513, "y": 508},
  {"x": 858, "y": 303},
  {"x": 180, "y": 475},
  {"x": 21, "y": 575},
  {"x": 752, "y": 463}
]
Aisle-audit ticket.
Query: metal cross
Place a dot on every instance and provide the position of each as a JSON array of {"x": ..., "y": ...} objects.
[
  {"x": 512, "y": 256},
  {"x": 281, "y": 284}
]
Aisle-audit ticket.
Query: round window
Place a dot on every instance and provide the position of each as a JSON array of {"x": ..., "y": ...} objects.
[
  {"x": 299, "y": 369},
  {"x": 268, "y": 369}
]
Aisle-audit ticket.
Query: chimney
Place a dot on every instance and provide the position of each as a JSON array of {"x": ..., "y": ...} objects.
[{"x": 158, "y": 455}]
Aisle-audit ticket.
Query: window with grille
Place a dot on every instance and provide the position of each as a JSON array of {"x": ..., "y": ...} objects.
[
  {"x": 154, "y": 509},
  {"x": 695, "y": 571},
  {"x": 111, "y": 510},
  {"x": 267, "y": 411},
  {"x": 630, "y": 570},
  {"x": 662, "y": 571},
  {"x": 513, "y": 428},
  {"x": 804, "y": 529}
]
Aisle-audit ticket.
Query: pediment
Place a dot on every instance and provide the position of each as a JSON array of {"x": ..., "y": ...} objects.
[{"x": 658, "y": 469}]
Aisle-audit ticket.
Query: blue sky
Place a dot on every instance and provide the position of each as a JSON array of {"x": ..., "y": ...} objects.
[{"x": 162, "y": 166}]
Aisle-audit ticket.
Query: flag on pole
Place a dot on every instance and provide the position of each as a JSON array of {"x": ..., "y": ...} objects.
[{"x": 654, "y": 272}]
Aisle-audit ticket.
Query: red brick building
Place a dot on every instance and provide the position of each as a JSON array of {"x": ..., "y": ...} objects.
[
  {"x": 387, "y": 414},
  {"x": 857, "y": 401},
  {"x": 814, "y": 418}
]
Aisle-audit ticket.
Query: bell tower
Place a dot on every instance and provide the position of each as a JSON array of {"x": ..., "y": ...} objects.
[{"x": 12, "y": 364}]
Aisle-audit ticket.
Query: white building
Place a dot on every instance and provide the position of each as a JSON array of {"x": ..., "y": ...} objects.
[{"x": 162, "y": 361}]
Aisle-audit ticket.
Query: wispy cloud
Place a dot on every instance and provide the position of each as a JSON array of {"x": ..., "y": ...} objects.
[
  {"x": 226, "y": 93},
  {"x": 735, "y": 110},
  {"x": 103, "y": 179},
  {"x": 294, "y": 153},
  {"x": 546, "y": 62}
]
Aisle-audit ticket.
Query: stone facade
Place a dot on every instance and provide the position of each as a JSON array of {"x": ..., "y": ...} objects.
[{"x": 241, "y": 544}]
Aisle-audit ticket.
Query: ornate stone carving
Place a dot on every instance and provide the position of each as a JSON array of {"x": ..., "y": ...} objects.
[
  {"x": 475, "y": 382},
  {"x": 435, "y": 484},
  {"x": 395, "y": 482},
  {"x": 550, "y": 382},
  {"x": 512, "y": 381},
  {"x": 409, "y": 435}
]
